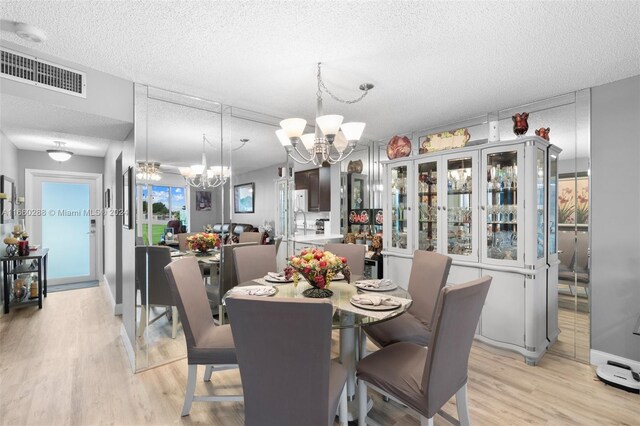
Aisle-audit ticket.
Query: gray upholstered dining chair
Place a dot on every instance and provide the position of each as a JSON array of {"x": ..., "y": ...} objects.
[
  {"x": 354, "y": 254},
  {"x": 228, "y": 277},
  {"x": 182, "y": 240},
  {"x": 156, "y": 291},
  {"x": 284, "y": 354},
  {"x": 424, "y": 379},
  {"x": 429, "y": 273},
  {"x": 254, "y": 262},
  {"x": 250, "y": 237},
  {"x": 207, "y": 343}
]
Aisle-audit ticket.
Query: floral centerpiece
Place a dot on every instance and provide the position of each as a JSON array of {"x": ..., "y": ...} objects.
[
  {"x": 203, "y": 241},
  {"x": 318, "y": 267}
]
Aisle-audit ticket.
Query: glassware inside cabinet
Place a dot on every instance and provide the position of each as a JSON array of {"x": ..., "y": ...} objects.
[
  {"x": 553, "y": 203},
  {"x": 428, "y": 206},
  {"x": 540, "y": 199},
  {"x": 459, "y": 204},
  {"x": 399, "y": 213},
  {"x": 502, "y": 205}
]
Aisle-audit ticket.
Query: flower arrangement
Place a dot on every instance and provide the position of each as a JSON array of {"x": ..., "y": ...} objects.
[
  {"x": 203, "y": 241},
  {"x": 318, "y": 267}
]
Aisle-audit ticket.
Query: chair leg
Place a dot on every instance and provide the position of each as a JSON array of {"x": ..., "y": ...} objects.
[
  {"x": 207, "y": 373},
  {"x": 220, "y": 314},
  {"x": 462, "y": 402},
  {"x": 191, "y": 388},
  {"x": 143, "y": 320},
  {"x": 344, "y": 414},
  {"x": 426, "y": 421},
  {"x": 362, "y": 403},
  {"x": 174, "y": 322}
]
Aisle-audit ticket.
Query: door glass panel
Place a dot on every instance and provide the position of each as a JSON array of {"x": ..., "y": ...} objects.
[
  {"x": 67, "y": 233},
  {"x": 428, "y": 206},
  {"x": 540, "y": 197},
  {"x": 399, "y": 207},
  {"x": 502, "y": 205},
  {"x": 459, "y": 205}
]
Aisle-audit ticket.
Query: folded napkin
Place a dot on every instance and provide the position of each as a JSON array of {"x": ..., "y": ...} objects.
[
  {"x": 261, "y": 290},
  {"x": 370, "y": 299},
  {"x": 276, "y": 275},
  {"x": 374, "y": 283}
]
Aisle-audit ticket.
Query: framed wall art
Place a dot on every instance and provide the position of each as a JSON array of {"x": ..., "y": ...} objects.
[
  {"x": 203, "y": 200},
  {"x": 7, "y": 200},
  {"x": 573, "y": 199},
  {"x": 127, "y": 199},
  {"x": 244, "y": 198}
]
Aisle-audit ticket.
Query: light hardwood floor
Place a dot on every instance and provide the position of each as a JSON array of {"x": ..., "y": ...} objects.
[{"x": 65, "y": 364}]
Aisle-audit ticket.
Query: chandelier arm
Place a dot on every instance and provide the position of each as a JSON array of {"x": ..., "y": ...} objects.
[
  {"x": 304, "y": 157},
  {"x": 323, "y": 87}
]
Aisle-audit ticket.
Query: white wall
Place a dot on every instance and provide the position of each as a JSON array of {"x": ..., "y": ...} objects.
[
  {"x": 615, "y": 229},
  {"x": 9, "y": 168},
  {"x": 111, "y": 250}
]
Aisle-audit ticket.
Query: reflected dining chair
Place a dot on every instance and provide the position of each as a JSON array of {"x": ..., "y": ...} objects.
[
  {"x": 424, "y": 379},
  {"x": 254, "y": 262},
  {"x": 284, "y": 354},
  {"x": 183, "y": 245},
  {"x": 354, "y": 253},
  {"x": 250, "y": 237},
  {"x": 207, "y": 343},
  {"x": 155, "y": 291},
  {"x": 228, "y": 277},
  {"x": 429, "y": 273}
]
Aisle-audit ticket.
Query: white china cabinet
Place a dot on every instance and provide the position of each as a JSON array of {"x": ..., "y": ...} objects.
[{"x": 488, "y": 207}]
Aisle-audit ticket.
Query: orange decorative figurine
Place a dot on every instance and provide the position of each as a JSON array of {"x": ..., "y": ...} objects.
[
  {"x": 543, "y": 133},
  {"x": 520, "y": 125}
]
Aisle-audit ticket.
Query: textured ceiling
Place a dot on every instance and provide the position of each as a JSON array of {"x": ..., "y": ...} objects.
[{"x": 431, "y": 62}]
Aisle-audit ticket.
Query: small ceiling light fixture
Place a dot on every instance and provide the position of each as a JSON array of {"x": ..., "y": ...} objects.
[
  {"x": 148, "y": 172},
  {"x": 59, "y": 154},
  {"x": 331, "y": 136},
  {"x": 29, "y": 32},
  {"x": 199, "y": 176}
]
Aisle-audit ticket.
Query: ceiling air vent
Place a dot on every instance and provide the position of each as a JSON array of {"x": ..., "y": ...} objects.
[{"x": 31, "y": 70}]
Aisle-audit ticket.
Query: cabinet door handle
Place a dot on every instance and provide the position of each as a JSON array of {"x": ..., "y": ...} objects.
[
  {"x": 444, "y": 208},
  {"x": 439, "y": 208},
  {"x": 482, "y": 208}
]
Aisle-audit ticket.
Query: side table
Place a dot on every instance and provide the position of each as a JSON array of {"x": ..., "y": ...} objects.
[{"x": 16, "y": 265}]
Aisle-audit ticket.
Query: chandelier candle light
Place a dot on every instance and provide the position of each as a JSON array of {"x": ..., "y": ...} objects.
[
  {"x": 148, "y": 171},
  {"x": 333, "y": 140},
  {"x": 199, "y": 176}
]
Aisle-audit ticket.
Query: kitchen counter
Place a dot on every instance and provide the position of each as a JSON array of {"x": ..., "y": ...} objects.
[{"x": 317, "y": 239}]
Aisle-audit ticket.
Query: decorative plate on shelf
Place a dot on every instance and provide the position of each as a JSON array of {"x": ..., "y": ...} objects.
[
  {"x": 398, "y": 147},
  {"x": 444, "y": 140}
]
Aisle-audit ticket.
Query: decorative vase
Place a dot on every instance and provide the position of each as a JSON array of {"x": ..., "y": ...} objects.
[
  {"x": 520, "y": 124},
  {"x": 543, "y": 133},
  {"x": 315, "y": 291},
  {"x": 11, "y": 250}
]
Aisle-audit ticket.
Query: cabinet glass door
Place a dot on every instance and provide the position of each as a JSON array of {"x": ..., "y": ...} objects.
[
  {"x": 502, "y": 205},
  {"x": 400, "y": 210},
  {"x": 460, "y": 203},
  {"x": 541, "y": 180},
  {"x": 553, "y": 204},
  {"x": 428, "y": 207}
]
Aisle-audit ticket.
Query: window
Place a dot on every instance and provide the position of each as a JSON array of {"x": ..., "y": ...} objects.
[{"x": 167, "y": 203}]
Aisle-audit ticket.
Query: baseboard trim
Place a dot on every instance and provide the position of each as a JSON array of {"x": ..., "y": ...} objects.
[
  {"x": 601, "y": 358},
  {"x": 128, "y": 348},
  {"x": 117, "y": 307}
]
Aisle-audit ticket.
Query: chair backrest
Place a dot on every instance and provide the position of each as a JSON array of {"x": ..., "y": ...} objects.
[
  {"x": 250, "y": 237},
  {"x": 228, "y": 276},
  {"x": 354, "y": 254},
  {"x": 283, "y": 345},
  {"x": 186, "y": 285},
  {"x": 429, "y": 273},
  {"x": 151, "y": 260},
  {"x": 182, "y": 240},
  {"x": 217, "y": 228},
  {"x": 277, "y": 243},
  {"x": 227, "y": 228},
  {"x": 254, "y": 262},
  {"x": 176, "y": 225},
  {"x": 457, "y": 315}
]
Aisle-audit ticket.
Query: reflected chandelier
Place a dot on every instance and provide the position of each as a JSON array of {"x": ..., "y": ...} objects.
[
  {"x": 148, "y": 172},
  {"x": 199, "y": 176},
  {"x": 333, "y": 140}
]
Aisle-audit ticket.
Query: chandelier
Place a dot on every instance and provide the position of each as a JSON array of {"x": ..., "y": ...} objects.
[
  {"x": 333, "y": 140},
  {"x": 148, "y": 171},
  {"x": 199, "y": 176}
]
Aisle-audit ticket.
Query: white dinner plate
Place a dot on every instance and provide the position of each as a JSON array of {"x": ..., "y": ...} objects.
[
  {"x": 248, "y": 290},
  {"x": 279, "y": 280}
]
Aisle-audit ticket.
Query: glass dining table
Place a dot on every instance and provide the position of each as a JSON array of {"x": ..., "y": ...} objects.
[{"x": 347, "y": 318}]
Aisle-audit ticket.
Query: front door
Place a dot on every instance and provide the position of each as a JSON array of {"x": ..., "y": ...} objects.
[{"x": 68, "y": 224}]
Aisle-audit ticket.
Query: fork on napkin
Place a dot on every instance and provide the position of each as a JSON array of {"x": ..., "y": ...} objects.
[{"x": 370, "y": 299}]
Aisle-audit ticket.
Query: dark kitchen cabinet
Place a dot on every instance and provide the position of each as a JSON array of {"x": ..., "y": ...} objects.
[{"x": 318, "y": 184}]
